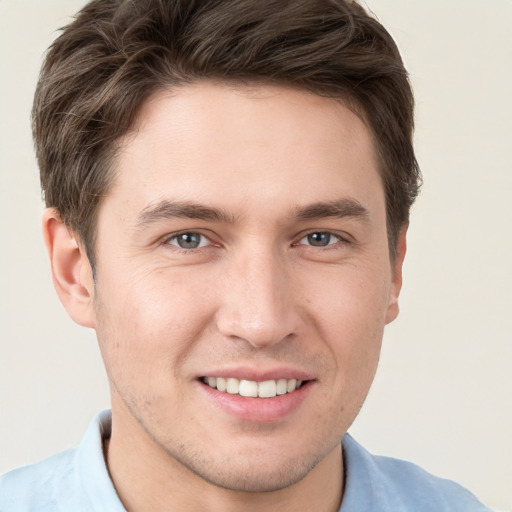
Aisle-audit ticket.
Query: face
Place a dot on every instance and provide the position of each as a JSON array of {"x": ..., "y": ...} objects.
[{"x": 242, "y": 250}]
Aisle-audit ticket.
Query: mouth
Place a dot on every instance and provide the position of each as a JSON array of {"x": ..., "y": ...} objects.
[
  {"x": 257, "y": 397},
  {"x": 253, "y": 389}
]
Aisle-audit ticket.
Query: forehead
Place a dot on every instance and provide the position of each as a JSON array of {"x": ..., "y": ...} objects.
[{"x": 228, "y": 145}]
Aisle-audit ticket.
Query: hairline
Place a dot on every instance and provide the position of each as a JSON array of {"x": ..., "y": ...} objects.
[{"x": 111, "y": 160}]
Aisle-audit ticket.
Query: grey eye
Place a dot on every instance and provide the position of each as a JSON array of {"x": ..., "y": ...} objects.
[
  {"x": 189, "y": 240},
  {"x": 320, "y": 239}
]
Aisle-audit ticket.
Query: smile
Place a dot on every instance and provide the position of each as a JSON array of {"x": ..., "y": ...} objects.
[{"x": 251, "y": 388}]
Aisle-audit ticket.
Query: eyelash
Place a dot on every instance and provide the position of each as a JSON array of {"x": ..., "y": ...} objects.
[
  {"x": 328, "y": 233},
  {"x": 169, "y": 239},
  {"x": 174, "y": 237}
]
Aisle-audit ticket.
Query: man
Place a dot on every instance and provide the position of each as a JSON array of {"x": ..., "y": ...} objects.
[{"x": 228, "y": 188}]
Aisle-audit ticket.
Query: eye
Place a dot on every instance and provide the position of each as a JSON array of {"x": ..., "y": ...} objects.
[
  {"x": 320, "y": 239},
  {"x": 189, "y": 240}
]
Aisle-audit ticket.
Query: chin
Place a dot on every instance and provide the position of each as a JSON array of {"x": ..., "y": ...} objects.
[
  {"x": 246, "y": 477},
  {"x": 253, "y": 468}
]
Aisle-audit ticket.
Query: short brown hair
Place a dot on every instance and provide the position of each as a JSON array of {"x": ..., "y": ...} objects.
[{"x": 116, "y": 53}]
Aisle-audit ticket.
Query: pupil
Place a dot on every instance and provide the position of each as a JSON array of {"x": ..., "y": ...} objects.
[
  {"x": 189, "y": 240},
  {"x": 319, "y": 239}
]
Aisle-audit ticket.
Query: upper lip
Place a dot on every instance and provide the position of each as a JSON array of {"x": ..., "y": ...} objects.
[{"x": 259, "y": 374}]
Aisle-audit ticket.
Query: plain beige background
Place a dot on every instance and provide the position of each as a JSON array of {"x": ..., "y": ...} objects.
[{"x": 443, "y": 393}]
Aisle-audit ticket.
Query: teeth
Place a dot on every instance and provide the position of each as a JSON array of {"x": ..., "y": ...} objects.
[
  {"x": 221, "y": 384},
  {"x": 281, "y": 387},
  {"x": 267, "y": 389},
  {"x": 233, "y": 386},
  {"x": 251, "y": 388},
  {"x": 248, "y": 388}
]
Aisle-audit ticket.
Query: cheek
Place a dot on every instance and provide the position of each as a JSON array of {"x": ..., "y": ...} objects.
[
  {"x": 348, "y": 308},
  {"x": 148, "y": 324},
  {"x": 350, "y": 301}
]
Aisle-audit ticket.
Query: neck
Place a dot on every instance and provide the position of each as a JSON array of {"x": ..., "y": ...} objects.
[{"x": 147, "y": 478}]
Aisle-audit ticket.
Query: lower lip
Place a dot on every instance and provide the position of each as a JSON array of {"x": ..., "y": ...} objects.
[{"x": 258, "y": 410}]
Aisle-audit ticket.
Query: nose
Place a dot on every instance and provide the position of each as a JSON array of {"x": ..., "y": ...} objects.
[{"x": 258, "y": 303}]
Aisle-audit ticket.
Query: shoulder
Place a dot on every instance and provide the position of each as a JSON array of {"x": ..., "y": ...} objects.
[
  {"x": 385, "y": 483},
  {"x": 39, "y": 486},
  {"x": 74, "y": 480}
]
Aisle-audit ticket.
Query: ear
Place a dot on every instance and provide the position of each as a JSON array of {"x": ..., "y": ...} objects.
[
  {"x": 71, "y": 271},
  {"x": 396, "y": 275}
]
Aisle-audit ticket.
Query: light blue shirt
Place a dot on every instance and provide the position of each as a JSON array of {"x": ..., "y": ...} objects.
[{"x": 77, "y": 480}]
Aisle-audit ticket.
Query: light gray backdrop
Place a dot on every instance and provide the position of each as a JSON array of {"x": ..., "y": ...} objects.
[{"x": 443, "y": 394}]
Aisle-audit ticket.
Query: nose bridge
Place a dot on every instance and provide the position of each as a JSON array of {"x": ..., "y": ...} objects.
[{"x": 257, "y": 303}]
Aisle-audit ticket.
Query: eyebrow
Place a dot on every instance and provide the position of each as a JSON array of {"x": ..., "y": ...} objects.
[
  {"x": 165, "y": 209},
  {"x": 341, "y": 208}
]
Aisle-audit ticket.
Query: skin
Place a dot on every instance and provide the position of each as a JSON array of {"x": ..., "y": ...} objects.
[{"x": 255, "y": 295}]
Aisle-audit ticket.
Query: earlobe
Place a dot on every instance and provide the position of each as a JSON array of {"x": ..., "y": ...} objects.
[
  {"x": 396, "y": 276},
  {"x": 71, "y": 271}
]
